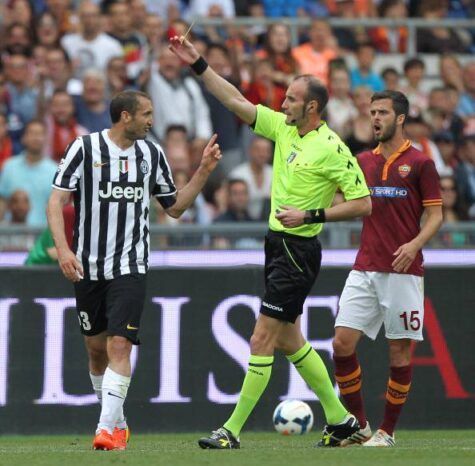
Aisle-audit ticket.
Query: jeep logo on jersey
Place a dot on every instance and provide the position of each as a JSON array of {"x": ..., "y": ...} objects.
[{"x": 115, "y": 191}]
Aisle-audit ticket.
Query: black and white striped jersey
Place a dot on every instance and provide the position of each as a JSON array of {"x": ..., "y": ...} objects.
[{"x": 112, "y": 189}]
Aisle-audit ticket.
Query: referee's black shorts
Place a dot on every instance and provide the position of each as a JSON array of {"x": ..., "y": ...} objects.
[
  {"x": 113, "y": 306},
  {"x": 292, "y": 264}
]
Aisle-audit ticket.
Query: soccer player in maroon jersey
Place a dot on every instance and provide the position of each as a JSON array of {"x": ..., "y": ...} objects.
[{"x": 386, "y": 283}]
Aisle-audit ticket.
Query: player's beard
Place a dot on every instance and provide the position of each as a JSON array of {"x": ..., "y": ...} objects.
[{"x": 387, "y": 134}]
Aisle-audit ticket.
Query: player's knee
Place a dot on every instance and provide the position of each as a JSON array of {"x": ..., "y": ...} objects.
[
  {"x": 119, "y": 348},
  {"x": 342, "y": 346}
]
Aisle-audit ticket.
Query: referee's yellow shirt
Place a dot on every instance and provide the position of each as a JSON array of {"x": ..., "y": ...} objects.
[{"x": 307, "y": 170}]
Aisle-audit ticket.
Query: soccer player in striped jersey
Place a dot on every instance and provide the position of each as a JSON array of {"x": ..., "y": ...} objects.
[
  {"x": 112, "y": 175},
  {"x": 386, "y": 283}
]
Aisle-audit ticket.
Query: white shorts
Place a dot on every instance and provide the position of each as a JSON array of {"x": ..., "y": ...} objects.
[{"x": 371, "y": 298}]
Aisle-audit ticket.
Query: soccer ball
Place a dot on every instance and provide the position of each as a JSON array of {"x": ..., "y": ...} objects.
[{"x": 293, "y": 417}]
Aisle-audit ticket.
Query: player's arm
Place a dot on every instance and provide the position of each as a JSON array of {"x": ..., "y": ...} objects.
[
  {"x": 187, "y": 195},
  {"x": 68, "y": 262},
  {"x": 290, "y": 217},
  {"x": 406, "y": 253},
  {"x": 223, "y": 90}
]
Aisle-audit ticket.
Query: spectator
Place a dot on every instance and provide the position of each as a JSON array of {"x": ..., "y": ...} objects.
[
  {"x": 154, "y": 35},
  {"x": 175, "y": 135},
  {"x": 278, "y": 50},
  {"x": 20, "y": 11},
  {"x": 224, "y": 123},
  {"x": 450, "y": 71},
  {"x": 18, "y": 40},
  {"x": 360, "y": 128},
  {"x": 363, "y": 74},
  {"x": 314, "y": 57},
  {"x": 238, "y": 203},
  {"x": 441, "y": 111},
  {"x": 31, "y": 172},
  {"x": 237, "y": 211},
  {"x": 262, "y": 88},
  {"x": 90, "y": 48},
  {"x": 61, "y": 125},
  {"x": 6, "y": 145},
  {"x": 414, "y": 70},
  {"x": 340, "y": 108},
  {"x": 465, "y": 173},
  {"x": 438, "y": 39},
  {"x": 92, "y": 108},
  {"x": 206, "y": 7},
  {"x": 116, "y": 75},
  {"x": 391, "y": 79},
  {"x": 348, "y": 37},
  {"x": 62, "y": 13},
  {"x": 445, "y": 142},
  {"x": 138, "y": 11},
  {"x": 453, "y": 209},
  {"x": 58, "y": 74},
  {"x": 466, "y": 106},
  {"x": 18, "y": 206},
  {"x": 133, "y": 44},
  {"x": 47, "y": 31},
  {"x": 166, "y": 9},
  {"x": 177, "y": 100},
  {"x": 419, "y": 132},
  {"x": 258, "y": 174},
  {"x": 22, "y": 97},
  {"x": 388, "y": 39}
]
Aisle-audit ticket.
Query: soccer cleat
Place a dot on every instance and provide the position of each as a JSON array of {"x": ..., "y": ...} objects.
[
  {"x": 103, "y": 441},
  {"x": 380, "y": 439},
  {"x": 333, "y": 434},
  {"x": 121, "y": 438},
  {"x": 359, "y": 437},
  {"x": 220, "y": 439}
]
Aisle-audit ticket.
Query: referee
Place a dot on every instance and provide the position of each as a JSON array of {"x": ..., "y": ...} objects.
[
  {"x": 112, "y": 175},
  {"x": 310, "y": 163}
]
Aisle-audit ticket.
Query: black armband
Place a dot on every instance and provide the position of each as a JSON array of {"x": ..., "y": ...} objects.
[
  {"x": 199, "y": 66},
  {"x": 314, "y": 216}
]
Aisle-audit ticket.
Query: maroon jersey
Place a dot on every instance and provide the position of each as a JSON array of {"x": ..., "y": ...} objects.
[{"x": 401, "y": 187}]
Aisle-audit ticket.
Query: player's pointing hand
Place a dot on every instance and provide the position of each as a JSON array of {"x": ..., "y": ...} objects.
[{"x": 211, "y": 154}]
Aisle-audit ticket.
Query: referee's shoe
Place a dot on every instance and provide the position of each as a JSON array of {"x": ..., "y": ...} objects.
[
  {"x": 220, "y": 439},
  {"x": 333, "y": 434}
]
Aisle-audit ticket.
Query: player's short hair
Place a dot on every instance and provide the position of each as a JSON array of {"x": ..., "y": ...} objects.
[
  {"x": 399, "y": 100},
  {"x": 125, "y": 101},
  {"x": 315, "y": 91},
  {"x": 35, "y": 121}
]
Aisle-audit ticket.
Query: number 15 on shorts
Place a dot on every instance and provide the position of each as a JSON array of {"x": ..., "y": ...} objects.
[{"x": 411, "y": 320}]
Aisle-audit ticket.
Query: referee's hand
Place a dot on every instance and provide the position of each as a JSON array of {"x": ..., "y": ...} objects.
[
  {"x": 290, "y": 217},
  {"x": 183, "y": 49},
  {"x": 69, "y": 264}
]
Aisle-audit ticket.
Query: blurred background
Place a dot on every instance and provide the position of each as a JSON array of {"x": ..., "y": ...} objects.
[{"x": 63, "y": 60}]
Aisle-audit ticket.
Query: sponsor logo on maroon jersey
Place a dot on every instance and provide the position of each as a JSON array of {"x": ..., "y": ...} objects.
[{"x": 404, "y": 170}]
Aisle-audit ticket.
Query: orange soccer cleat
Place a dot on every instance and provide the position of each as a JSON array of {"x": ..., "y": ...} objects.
[
  {"x": 121, "y": 438},
  {"x": 103, "y": 441}
]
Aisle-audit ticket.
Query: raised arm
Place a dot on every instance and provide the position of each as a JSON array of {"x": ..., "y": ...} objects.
[{"x": 223, "y": 90}]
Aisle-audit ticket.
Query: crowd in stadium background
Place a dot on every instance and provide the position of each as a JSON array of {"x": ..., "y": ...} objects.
[{"x": 63, "y": 60}]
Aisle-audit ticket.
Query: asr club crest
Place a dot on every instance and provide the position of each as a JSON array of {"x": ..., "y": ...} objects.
[{"x": 404, "y": 170}]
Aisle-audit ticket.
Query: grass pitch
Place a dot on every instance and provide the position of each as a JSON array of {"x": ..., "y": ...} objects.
[{"x": 414, "y": 448}]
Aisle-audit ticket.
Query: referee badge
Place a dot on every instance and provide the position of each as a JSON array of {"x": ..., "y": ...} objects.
[
  {"x": 144, "y": 167},
  {"x": 291, "y": 157},
  {"x": 123, "y": 166}
]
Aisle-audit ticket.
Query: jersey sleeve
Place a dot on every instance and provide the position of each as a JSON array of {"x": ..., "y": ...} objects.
[
  {"x": 268, "y": 122},
  {"x": 70, "y": 168},
  {"x": 343, "y": 169},
  {"x": 164, "y": 190},
  {"x": 429, "y": 184}
]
